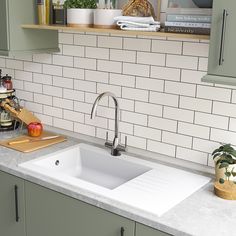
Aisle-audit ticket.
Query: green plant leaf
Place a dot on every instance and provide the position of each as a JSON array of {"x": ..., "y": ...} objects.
[
  {"x": 221, "y": 181},
  {"x": 227, "y": 173},
  {"x": 233, "y": 173},
  {"x": 223, "y": 165}
]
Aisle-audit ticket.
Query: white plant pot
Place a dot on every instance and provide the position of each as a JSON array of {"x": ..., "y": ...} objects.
[
  {"x": 104, "y": 18},
  {"x": 220, "y": 173},
  {"x": 80, "y": 17}
]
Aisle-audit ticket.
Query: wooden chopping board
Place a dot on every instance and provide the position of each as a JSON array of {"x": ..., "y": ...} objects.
[{"x": 33, "y": 146}]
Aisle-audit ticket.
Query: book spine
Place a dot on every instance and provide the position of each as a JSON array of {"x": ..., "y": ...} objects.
[
  {"x": 188, "y": 18},
  {"x": 187, "y": 30},
  {"x": 188, "y": 24}
]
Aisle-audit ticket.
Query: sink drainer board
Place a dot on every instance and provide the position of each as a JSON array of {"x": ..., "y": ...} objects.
[{"x": 150, "y": 187}]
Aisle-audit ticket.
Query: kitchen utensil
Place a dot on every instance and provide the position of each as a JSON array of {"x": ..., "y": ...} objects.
[
  {"x": 33, "y": 140},
  {"x": 33, "y": 145}
]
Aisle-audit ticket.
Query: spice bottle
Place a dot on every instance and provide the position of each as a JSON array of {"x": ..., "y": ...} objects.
[{"x": 58, "y": 13}]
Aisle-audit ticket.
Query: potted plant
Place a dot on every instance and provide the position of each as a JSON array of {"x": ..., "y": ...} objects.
[
  {"x": 105, "y": 13},
  {"x": 225, "y": 163},
  {"x": 80, "y": 12}
]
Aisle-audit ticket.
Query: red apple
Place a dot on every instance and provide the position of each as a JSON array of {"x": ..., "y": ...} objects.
[{"x": 35, "y": 129}]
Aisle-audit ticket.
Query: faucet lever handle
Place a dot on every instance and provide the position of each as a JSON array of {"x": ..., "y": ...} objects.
[
  {"x": 107, "y": 136},
  {"x": 126, "y": 139}
]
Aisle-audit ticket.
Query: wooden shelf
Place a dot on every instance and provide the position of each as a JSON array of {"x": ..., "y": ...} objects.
[{"x": 115, "y": 31}]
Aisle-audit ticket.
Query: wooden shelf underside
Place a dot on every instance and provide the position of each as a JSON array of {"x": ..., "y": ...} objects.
[{"x": 116, "y": 31}]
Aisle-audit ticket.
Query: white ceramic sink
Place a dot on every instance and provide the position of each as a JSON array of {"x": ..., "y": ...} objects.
[
  {"x": 136, "y": 183},
  {"x": 90, "y": 164}
]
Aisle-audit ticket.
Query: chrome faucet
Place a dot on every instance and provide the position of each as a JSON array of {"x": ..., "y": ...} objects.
[{"x": 115, "y": 146}]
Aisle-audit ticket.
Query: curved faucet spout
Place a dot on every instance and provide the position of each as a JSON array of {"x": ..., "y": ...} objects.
[
  {"x": 115, "y": 146},
  {"x": 117, "y": 109}
]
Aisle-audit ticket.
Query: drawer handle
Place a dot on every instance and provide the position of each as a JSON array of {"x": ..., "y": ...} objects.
[
  {"x": 222, "y": 42},
  {"x": 16, "y": 204},
  {"x": 122, "y": 231}
]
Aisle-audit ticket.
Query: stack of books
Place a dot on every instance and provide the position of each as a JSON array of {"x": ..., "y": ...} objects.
[{"x": 188, "y": 20}]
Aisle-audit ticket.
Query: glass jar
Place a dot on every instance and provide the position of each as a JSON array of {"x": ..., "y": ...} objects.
[
  {"x": 7, "y": 82},
  {"x": 43, "y": 8}
]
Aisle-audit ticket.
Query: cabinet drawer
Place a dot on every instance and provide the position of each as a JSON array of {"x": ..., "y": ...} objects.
[
  {"x": 53, "y": 214},
  {"x": 142, "y": 230}
]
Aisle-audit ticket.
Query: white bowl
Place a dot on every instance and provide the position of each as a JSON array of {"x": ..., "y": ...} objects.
[{"x": 104, "y": 18}]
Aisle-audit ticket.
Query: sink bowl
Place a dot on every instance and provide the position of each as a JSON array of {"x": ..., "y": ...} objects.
[{"x": 87, "y": 163}]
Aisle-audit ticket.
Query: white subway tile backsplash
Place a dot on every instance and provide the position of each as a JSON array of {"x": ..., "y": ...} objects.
[
  {"x": 195, "y": 104},
  {"x": 136, "y": 69},
  {"x": 85, "y": 40},
  {"x": 163, "y": 46},
  {"x": 109, "y": 42},
  {"x": 137, "y": 44},
  {"x": 73, "y": 94},
  {"x": 165, "y": 73},
  {"x": 212, "y": 93},
  {"x": 109, "y": 66},
  {"x": 185, "y": 62},
  {"x": 147, "y": 133},
  {"x": 194, "y": 130},
  {"x": 210, "y": 120},
  {"x": 177, "y": 139},
  {"x": 148, "y": 108},
  {"x": 165, "y": 108},
  {"x": 162, "y": 148},
  {"x": 224, "y": 109},
  {"x": 135, "y": 94},
  {"x": 164, "y": 99},
  {"x": 178, "y": 114},
  {"x": 180, "y": 88},
  {"x": 197, "y": 49},
  {"x": 99, "y": 53},
  {"x": 122, "y": 80},
  {"x": 191, "y": 155},
  {"x": 150, "y": 84},
  {"x": 135, "y": 118},
  {"x": 122, "y": 55},
  {"x": 162, "y": 123},
  {"x": 148, "y": 58}
]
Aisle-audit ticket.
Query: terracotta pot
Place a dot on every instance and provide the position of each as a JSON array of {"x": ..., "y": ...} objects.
[
  {"x": 104, "y": 18},
  {"x": 80, "y": 17}
]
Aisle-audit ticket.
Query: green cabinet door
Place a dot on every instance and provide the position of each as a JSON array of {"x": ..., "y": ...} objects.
[
  {"x": 50, "y": 213},
  {"x": 12, "y": 214},
  {"x": 14, "y": 39},
  {"x": 142, "y": 230},
  {"x": 221, "y": 62}
]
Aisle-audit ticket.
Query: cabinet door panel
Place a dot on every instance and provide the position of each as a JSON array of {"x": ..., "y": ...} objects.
[
  {"x": 142, "y": 230},
  {"x": 53, "y": 214},
  {"x": 8, "y": 224},
  {"x": 229, "y": 46},
  {"x": 4, "y": 45}
]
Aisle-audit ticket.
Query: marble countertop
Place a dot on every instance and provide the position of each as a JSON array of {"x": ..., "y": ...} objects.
[{"x": 201, "y": 214}]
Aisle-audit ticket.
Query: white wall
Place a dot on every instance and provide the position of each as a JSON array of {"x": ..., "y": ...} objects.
[{"x": 165, "y": 108}]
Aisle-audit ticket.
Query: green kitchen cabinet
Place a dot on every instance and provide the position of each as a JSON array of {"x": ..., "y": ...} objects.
[
  {"x": 221, "y": 62},
  {"x": 142, "y": 230},
  {"x": 49, "y": 213},
  {"x": 16, "y": 40},
  {"x": 12, "y": 206}
]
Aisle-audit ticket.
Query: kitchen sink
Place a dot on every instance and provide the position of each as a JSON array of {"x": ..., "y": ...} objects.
[{"x": 87, "y": 163}]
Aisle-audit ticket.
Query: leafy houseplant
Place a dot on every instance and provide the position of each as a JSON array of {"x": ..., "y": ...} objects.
[
  {"x": 225, "y": 163},
  {"x": 80, "y": 12}
]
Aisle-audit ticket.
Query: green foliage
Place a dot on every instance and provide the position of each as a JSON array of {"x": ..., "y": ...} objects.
[
  {"x": 88, "y": 4},
  {"x": 225, "y": 155}
]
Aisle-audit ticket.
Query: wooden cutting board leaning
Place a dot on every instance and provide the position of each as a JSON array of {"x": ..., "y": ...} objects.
[{"x": 25, "y": 143}]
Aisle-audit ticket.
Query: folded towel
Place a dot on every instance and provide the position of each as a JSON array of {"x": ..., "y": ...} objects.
[
  {"x": 136, "y": 24},
  {"x": 152, "y": 28},
  {"x": 145, "y": 20}
]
